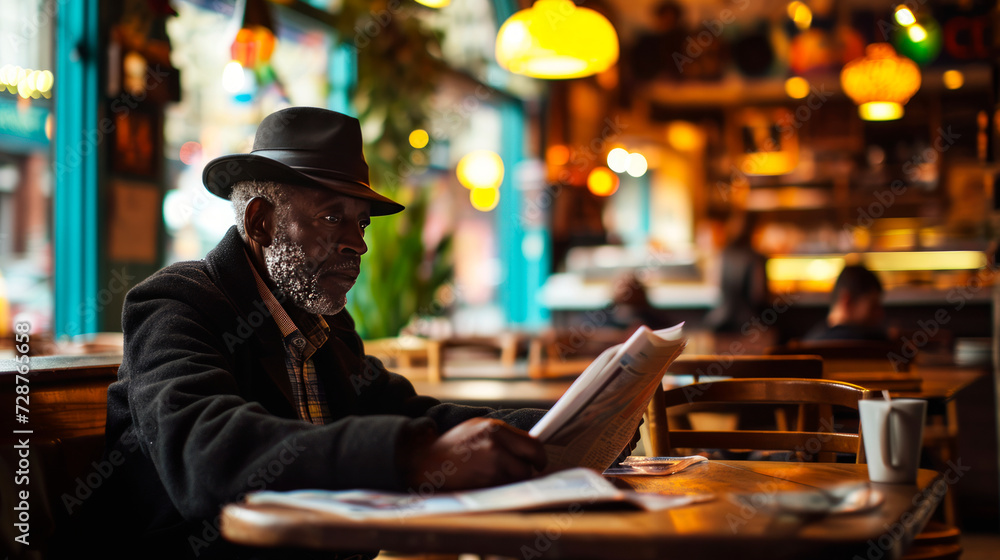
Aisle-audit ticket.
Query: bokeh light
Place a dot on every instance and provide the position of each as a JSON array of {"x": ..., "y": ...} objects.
[
  {"x": 618, "y": 160},
  {"x": 419, "y": 138},
  {"x": 481, "y": 169},
  {"x": 484, "y": 199},
  {"x": 602, "y": 181},
  {"x": 637, "y": 165},
  {"x": 953, "y": 79}
]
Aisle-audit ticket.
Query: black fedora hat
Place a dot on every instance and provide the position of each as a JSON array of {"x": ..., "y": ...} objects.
[{"x": 306, "y": 146}]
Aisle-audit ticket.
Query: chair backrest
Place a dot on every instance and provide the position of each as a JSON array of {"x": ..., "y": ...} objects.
[
  {"x": 821, "y": 436},
  {"x": 499, "y": 356},
  {"x": 852, "y": 355},
  {"x": 566, "y": 353},
  {"x": 725, "y": 365},
  {"x": 412, "y": 357}
]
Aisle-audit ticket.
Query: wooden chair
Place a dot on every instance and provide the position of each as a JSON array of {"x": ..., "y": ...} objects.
[
  {"x": 699, "y": 366},
  {"x": 724, "y": 365},
  {"x": 492, "y": 357},
  {"x": 937, "y": 542},
  {"x": 851, "y": 355},
  {"x": 809, "y": 438},
  {"x": 412, "y": 357},
  {"x": 566, "y": 353}
]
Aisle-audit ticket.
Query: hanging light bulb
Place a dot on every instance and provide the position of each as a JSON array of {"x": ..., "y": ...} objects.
[
  {"x": 255, "y": 41},
  {"x": 880, "y": 82},
  {"x": 555, "y": 39}
]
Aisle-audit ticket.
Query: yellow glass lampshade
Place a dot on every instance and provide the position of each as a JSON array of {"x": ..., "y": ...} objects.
[
  {"x": 555, "y": 39},
  {"x": 481, "y": 169},
  {"x": 880, "y": 82},
  {"x": 434, "y": 3}
]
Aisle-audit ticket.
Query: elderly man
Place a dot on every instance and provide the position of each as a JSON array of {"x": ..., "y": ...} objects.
[{"x": 243, "y": 371}]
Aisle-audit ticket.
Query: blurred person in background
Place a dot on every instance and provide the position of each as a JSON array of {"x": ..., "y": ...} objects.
[{"x": 856, "y": 311}]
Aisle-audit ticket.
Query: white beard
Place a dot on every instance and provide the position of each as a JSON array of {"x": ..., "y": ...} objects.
[{"x": 296, "y": 277}]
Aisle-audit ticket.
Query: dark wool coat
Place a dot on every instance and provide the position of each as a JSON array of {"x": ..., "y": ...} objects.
[{"x": 202, "y": 412}]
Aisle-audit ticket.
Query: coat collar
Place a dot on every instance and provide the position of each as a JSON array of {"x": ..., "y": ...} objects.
[
  {"x": 230, "y": 269},
  {"x": 228, "y": 265}
]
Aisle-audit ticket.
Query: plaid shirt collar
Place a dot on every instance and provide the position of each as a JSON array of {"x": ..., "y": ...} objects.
[{"x": 302, "y": 340}]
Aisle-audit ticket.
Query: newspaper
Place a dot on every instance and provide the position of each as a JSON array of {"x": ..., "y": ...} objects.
[
  {"x": 598, "y": 415},
  {"x": 573, "y": 488}
]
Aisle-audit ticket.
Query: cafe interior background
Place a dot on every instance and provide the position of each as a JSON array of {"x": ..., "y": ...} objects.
[{"x": 831, "y": 132}]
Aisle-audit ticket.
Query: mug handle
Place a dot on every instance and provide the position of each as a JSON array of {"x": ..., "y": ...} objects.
[{"x": 894, "y": 455}]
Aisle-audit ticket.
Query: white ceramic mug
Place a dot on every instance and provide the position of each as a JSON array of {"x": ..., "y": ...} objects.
[{"x": 893, "y": 432}]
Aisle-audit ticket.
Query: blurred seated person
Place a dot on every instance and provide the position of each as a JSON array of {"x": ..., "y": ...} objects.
[
  {"x": 856, "y": 311},
  {"x": 743, "y": 283},
  {"x": 630, "y": 306}
]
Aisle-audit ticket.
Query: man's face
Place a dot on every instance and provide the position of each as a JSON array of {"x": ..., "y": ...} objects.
[{"x": 315, "y": 254}]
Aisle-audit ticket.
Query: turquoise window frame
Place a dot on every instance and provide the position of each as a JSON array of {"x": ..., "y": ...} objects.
[
  {"x": 75, "y": 229},
  {"x": 523, "y": 274}
]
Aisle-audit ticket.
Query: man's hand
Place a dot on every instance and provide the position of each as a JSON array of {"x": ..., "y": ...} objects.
[{"x": 477, "y": 453}]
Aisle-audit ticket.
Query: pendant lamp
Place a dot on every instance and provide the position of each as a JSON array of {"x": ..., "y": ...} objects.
[
  {"x": 880, "y": 82},
  {"x": 556, "y": 39}
]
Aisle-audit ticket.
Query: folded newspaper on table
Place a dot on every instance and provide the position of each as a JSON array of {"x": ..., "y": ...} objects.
[
  {"x": 572, "y": 488},
  {"x": 598, "y": 415}
]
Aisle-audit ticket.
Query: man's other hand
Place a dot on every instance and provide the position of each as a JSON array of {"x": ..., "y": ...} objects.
[{"x": 477, "y": 453}]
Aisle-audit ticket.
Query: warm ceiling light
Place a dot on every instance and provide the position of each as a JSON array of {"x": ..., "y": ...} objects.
[
  {"x": 880, "y": 82},
  {"x": 419, "y": 138},
  {"x": 618, "y": 160},
  {"x": 555, "y": 39},
  {"x": 434, "y": 3},
  {"x": 484, "y": 199},
  {"x": 255, "y": 41},
  {"x": 602, "y": 181},
  {"x": 797, "y": 87},
  {"x": 637, "y": 165},
  {"x": 800, "y": 14},
  {"x": 481, "y": 169},
  {"x": 916, "y": 32},
  {"x": 684, "y": 136},
  {"x": 557, "y": 154},
  {"x": 904, "y": 16},
  {"x": 953, "y": 79}
]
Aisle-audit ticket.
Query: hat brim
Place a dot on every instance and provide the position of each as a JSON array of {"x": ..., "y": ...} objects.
[{"x": 223, "y": 172}]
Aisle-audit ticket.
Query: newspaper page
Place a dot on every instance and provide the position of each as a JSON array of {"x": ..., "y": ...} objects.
[
  {"x": 572, "y": 486},
  {"x": 597, "y": 416}
]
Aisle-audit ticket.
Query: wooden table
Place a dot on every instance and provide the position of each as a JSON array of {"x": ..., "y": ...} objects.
[{"x": 725, "y": 526}]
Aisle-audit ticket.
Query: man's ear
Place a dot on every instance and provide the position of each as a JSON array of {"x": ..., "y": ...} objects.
[{"x": 258, "y": 221}]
